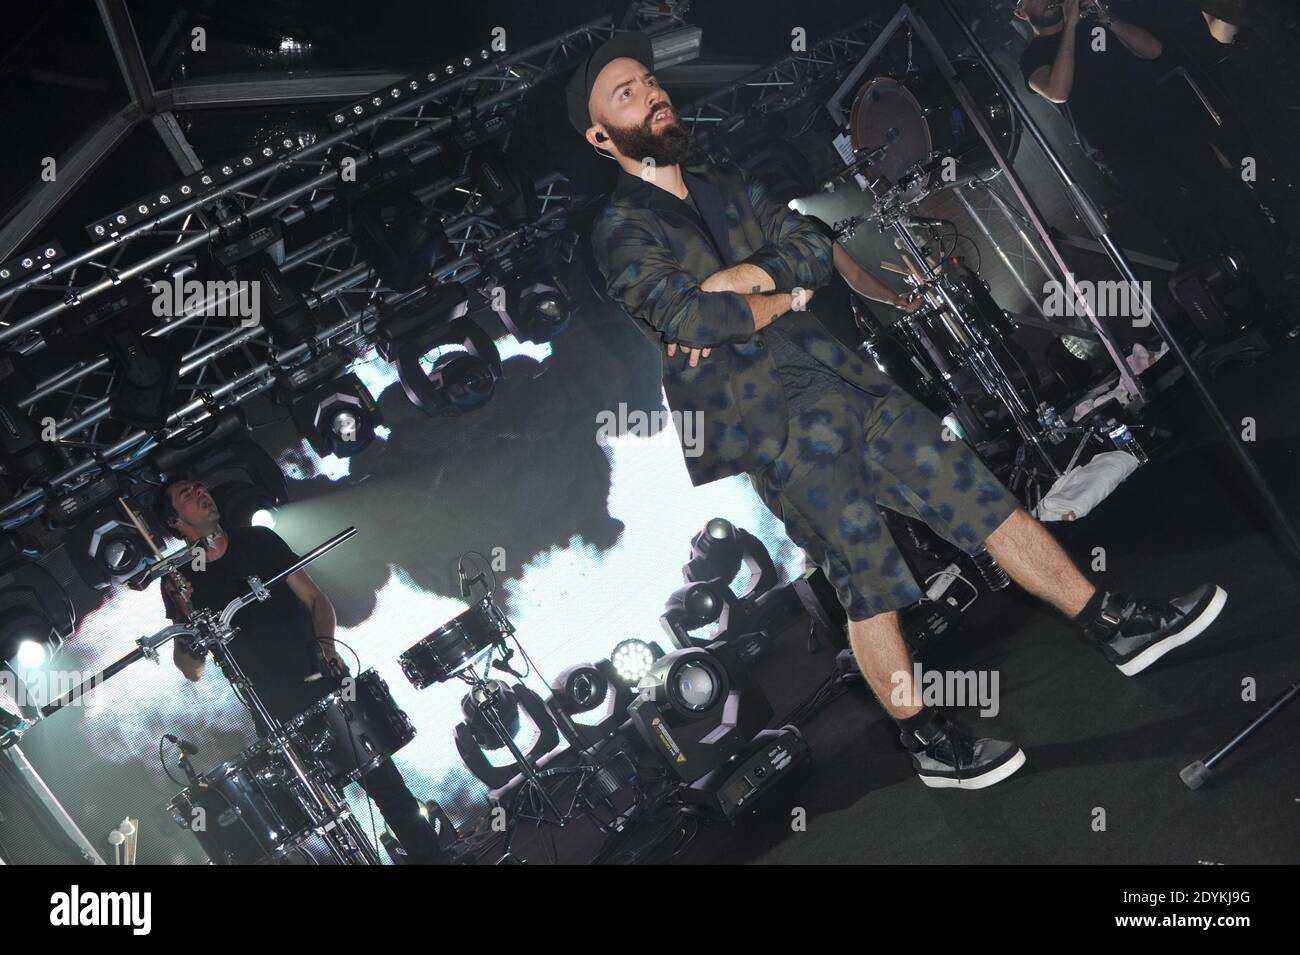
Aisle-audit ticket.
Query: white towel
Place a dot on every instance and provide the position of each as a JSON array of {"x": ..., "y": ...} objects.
[{"x": 1078, "y": 491}]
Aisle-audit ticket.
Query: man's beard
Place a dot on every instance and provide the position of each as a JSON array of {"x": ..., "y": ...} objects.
[{"x": 667, "y": 148}]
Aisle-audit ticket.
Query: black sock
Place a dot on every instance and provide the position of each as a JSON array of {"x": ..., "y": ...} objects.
[
  {"x": 915, "y": 722},
  {"x": 1092, "y": 608}
]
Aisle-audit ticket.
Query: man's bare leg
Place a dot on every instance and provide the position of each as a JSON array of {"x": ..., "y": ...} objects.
[
  {"x": 1031, "y": 556},
  {"x": 1149, "y": 628},
  {"x": 882, "y": 657},
  {"x": 942, "y": 754}
]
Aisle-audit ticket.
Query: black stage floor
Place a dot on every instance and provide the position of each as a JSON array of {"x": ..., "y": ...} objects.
[{"x": 1095, "y": 740}]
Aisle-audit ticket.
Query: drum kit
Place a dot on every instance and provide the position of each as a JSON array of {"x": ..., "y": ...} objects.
[
  {"x": 254, "y": 809},
  {"x": 281, "y": 799},
  {"x": 912, "y": 138},
  {"x": 257, "y": 808}
]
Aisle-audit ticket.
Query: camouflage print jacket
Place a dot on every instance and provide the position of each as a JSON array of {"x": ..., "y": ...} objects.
[{"x": 654, "y": 252}]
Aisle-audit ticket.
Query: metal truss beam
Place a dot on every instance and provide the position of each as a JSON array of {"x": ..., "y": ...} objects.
[{"x": 778, "y": 86}]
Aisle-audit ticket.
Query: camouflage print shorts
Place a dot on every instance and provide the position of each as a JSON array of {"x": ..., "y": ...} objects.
[{"x": 852, "y": 452}]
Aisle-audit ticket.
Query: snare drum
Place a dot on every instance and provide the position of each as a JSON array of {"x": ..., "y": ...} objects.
[
  {"x": 244, "y": 811},
  {"x": 449, "y": 648},
  {"x": 353, "y": 730}
]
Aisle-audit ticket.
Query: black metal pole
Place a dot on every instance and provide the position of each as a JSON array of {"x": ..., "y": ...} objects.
[{"x": 1195, "y": 774}]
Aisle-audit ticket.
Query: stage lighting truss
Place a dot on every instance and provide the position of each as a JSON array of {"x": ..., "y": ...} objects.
[
  {"x": 164, "y": 238},
  {"x": 777, "y": 87}
]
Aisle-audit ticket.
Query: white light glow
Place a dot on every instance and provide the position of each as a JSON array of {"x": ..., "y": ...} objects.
[{"x": 31, "y": 654}]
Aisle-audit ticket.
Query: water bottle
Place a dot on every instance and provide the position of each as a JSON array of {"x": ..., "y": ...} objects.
[
  {"x": 1050, "y": 421},
  {"x": 1123, "y": 440},
  {"x": 994, "y": 576}
]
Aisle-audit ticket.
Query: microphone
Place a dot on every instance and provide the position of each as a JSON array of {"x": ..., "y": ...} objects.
[
  {"x": 464, "y": 582},
  {"x": 186, "y": 747}
]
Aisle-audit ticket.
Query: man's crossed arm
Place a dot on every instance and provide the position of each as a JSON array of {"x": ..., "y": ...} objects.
[{"x": 759, "y": 292}]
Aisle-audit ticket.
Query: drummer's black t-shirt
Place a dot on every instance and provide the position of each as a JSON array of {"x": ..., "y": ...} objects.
[
  {"x": 276, "y": 642},
  {"x": 1110, "y": 100}
]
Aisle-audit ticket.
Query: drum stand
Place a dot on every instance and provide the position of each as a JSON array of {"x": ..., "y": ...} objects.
[
  {"x": 974, "y": 344},
  {"x": 329, "y": 815},
  {"x": 483, "y": 691}
]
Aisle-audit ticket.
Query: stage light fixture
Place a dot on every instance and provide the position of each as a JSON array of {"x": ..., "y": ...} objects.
[
  {"x": 203, "y": 438},
  {"x": 70, "y": 506},
  {"x": 718, "y": 552},
  {"x": 701, "y": 603},
  {"x": 338, "y": 417},
  {"x": 31, "y": 654},
  {"x": 401, "y": 238},
  {"x": 26, "y": 264},
  {"x": 589, "y": 702},
  {"x": 243, "y": 480},
  {"x": 452, "y": 372},
  {"x": 22, "y": 452},
  {"x": 241, "y": 504},
  {"x": 581, "y": 688},
  {"x": 476, "y": 736},
  {"x": 35, "y": 609},
  {"x": 720, "y": 549},
  {"x": 507, "y": 703},
  {"x": 505, "y": 184},
  {"x": 699, "y": 708},
  {"x": 677, "y": 46},
  {"x": 632, "y": 659},
  {"x": 281, "y": 308},
  {"x": 148, "y": 370},
  {"x": 118, "y": 549},
  {"x": 538, "y": 312}
]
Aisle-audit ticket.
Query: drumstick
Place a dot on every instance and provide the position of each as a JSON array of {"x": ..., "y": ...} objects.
[
  {"x": 135, "y": 519},
  {"x": 127, "y": 829},
  {"x": 183, "y": 602}
]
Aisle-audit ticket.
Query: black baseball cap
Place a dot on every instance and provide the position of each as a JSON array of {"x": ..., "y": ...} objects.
[{"x": 577, "y": 92}]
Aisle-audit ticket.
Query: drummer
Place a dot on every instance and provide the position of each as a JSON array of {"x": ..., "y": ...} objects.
[{"x": 284, "y": 645}]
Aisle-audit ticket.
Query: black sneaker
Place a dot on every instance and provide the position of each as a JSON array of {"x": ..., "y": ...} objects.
[
  {"x": 945, "y": 757},
  {"x": 1133, "y": 634}
]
